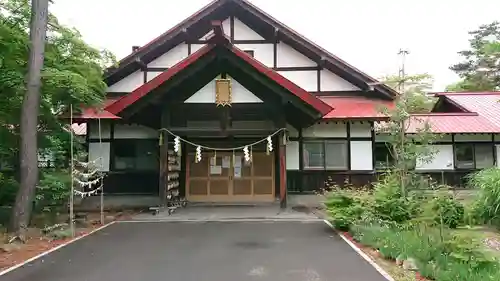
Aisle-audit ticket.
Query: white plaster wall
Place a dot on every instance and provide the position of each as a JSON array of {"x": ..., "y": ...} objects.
[
  {"x": 196, "y": 47},
  {"x": 332, "y": 82},
  {"x": 171, "y": 57},
  {"x": 240, "y": 94},
  {"x": 261, "y": 52},
  {"x": 443, "y": 159},
  {"x": 94, "y": 129},
  {"x": 292, "y": 155},
  {"x": 360, "y": 130},
  {"x": 361, "y": 156},
  {"x": 152, "y": 74},
  {"x": 127, "y": 84},
  {"x": 306, "y": 79},
  {"x": 125, "y": 131},
  {"x": 470, "y": 137},
  {"x": 243, "y": 32},
  {"x": 100, "y": 152},
  {"x": 326, "y": 130},
  {"x": 289, "y": 57}
]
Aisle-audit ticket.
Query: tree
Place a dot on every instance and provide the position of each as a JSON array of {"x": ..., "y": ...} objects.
[
  {"x": 480, "y": 69},
  {"x": 72, "y": 74},
  {"x": 417, "y": 86},
  {"x": 29, "y": 116},
  {"x": 407, "y": 150}
]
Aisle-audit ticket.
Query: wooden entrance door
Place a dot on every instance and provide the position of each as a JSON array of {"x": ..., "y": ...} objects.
[{"x": 228, "y": 178}]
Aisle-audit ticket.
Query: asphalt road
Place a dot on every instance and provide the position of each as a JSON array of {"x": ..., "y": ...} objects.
[{"x": 204, "y": 251}]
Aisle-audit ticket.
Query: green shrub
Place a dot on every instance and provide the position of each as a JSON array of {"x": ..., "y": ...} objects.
[
  {"x": 345, "y": 207},
  {"x": 440, "y": 256},
  {"x": 488, "y": 198},
  {"x": 8, "y": 190},
  {"x": 53, "y": 190},
  {"x": 390, "y": 204},
  {"x": 444, "y": 210}
]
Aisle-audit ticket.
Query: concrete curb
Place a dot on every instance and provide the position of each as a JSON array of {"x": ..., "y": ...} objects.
[
  {"x": 360, "y": 252},
  {"x": 12, "y": 268},
  {"x": 223, "y": 220}
]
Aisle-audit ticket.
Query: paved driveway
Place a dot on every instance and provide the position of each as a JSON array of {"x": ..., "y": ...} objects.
[{"x": 204, "y": 251}]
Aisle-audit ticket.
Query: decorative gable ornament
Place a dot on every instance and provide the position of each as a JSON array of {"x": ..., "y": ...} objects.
[{"x": 223, "y": 94}]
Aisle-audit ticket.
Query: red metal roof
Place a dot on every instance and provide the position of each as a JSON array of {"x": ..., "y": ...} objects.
[
  {"x": 129, "y": 99},
  {"x": 482, "y": 114},
  {"x": 205, "y": 12},
  {"x": 355, "y": 107},
  {"x": 95, "y": 113}
]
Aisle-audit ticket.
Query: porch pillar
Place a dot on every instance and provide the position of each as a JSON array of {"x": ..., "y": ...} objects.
[
  {"x": 282, "y": 167},
  {"x": 163, "y": 155}
]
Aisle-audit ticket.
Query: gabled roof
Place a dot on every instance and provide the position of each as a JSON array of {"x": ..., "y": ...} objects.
[
  {"x": 185, "y": 30},
  {"x": 129, "y": 99},
  {"x": 474, "y": 112}
]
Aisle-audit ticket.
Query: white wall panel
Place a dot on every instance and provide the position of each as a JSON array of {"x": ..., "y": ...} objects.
[
  {"x": 240, "y": 94},
  {"x": 292, "y": 155},
  {"x": 306, "y": 79},
  {"x": 326, "y": 130},
  {"x": 100, "y": 152},
  {"x": 289, "y": 57},
  {"x": 360, "y": 130},
  {"x": 196, "y": 47},
  {"x": 128, "y": 84},
  {"x": 332, "y": 82},
  {"x": 261, "y": 52},
  {"x": 153, "y": 74},
  {"x": 243, "y": 32},
  {"x": 361, "y": 156},
  {"x": 171, "y": 57}
]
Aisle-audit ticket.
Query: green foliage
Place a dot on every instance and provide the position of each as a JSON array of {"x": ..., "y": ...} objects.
[
  {"x": 408, "y": 150},
  {"x": 438, "y": 256},
  {"x": 72, "y": 74},
  {"x": 8, "y": 190},
  {"x": 391, "y": 204},
  {"x": 53, "y": 190},
  {"x": 445, "y": 210},
  {"x": 346, "y": 207},
  {"x": 480, "y": 68},
  {"x": 487, "y": 203},
  {"x": 415, "y": 86}
]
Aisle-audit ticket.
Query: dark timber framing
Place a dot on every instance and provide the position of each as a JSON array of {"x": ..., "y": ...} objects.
[{"x": 267, "y": 27}]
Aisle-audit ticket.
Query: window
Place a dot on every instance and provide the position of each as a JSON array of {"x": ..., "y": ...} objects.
[
  {"x": 483, "y": 154},
  {"x": 473, "y": 156},
  {"x": 314, "y": 155},
  {"x": 249, "y": 52},
  {"x": 329, "y": 155},
  {"x": 135, "y": 154},
  {"x": 383, "y": 156}
]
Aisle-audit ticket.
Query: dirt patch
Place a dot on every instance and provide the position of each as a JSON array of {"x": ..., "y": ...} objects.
[{"x": 37, "y": 242}]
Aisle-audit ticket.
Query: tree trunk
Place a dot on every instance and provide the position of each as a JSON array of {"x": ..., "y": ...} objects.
[{"x": 29, "y": 119}]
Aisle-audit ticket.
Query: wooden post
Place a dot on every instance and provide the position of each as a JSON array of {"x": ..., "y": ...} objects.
[{"x": 282, "y": 167}]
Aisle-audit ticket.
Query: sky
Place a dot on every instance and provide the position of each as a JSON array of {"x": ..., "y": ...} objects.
[{"x": 365, "y": 33}]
